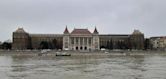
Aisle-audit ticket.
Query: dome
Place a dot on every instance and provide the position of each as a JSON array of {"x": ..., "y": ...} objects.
[
  {"x": 136, "y": 32},
  {"x": 20, "y": 30}
]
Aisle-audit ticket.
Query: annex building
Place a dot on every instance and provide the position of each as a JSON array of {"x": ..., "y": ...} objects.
[{"x": 77, "y": 39}]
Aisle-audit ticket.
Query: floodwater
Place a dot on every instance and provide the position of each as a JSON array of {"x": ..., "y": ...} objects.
[{"x": 115, "y": 67}]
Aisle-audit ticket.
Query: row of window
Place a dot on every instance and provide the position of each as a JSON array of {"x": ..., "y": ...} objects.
[{"x": 85, "y": 40}]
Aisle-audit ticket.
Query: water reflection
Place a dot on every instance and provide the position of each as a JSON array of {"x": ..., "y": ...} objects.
[{"x": 119, "y": 67}]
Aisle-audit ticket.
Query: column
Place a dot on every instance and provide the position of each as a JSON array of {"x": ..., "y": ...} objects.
[
  {"x": 91, "y": 43},
  {"x": 78, "y": 43},
  {"x": 87, "y": 43},
  {"x": 74, "y": 43},
  {"x": 83, "y": 45}
]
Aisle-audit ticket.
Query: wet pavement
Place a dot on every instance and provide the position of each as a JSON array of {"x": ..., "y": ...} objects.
[{"x": 113, "y": 67}]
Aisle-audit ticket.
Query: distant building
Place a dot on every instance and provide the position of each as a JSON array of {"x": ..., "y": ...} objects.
[
  {"x": 0, "y": 42},
  {"x": 78, "y": 39},
  {"x": 147, "y": 44},
  {"x": 158, "y": 43}
]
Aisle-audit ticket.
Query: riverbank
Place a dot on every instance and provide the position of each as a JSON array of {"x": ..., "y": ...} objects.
[{"x": 80, "y": 54}]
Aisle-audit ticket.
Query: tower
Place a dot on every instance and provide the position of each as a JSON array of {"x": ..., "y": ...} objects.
[
  {"x": 96, "y": 40},
  {"x": 137, "y": 40},
  {"x": 66, "y": 39},
  {"x": 21, "y": 39}
]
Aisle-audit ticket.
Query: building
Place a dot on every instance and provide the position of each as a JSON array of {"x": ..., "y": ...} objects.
[
  {"x": 158, "y": 43},
  {"x": 122, "y": 41},
  {"x": 81, "y": 39},
  {"x": 147, "y": 44},
  {"x": 78, "y": 39},
  {"x": 23, "y": 40}
]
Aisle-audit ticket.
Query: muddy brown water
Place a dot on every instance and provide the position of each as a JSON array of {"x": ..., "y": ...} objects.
[{"x": 113, "y": 67}]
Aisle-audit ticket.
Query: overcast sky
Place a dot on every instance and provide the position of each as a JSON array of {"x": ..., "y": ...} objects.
[{"x": 109, "y": 16}]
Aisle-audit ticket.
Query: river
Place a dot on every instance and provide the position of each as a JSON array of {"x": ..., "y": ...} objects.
[{"x": 113, "y": 67}]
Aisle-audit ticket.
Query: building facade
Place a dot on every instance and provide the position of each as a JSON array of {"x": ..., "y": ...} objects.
[
  {"x": 23, "y": 40},
  {"x": 78, "y": 39},
  {"x": 158, "y": 43},
  {"x": 81, "y": 39}
]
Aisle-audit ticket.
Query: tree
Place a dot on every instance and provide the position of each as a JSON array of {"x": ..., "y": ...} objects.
[
  {"x": 109, "y": 44},
  {"x": 0, "y": 46},
  {"x": 50, "y": 45},
  {"x": 6, "y": 45},
  {"x": 44, "y": 45},
  {"x": 147, "y": 44},
  {"x": 54, "y": 43}
]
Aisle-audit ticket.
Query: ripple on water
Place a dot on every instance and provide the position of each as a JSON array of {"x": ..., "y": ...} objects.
[{"x": 130, "y": 67}]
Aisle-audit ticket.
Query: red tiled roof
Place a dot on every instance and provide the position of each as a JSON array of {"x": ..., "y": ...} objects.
[{"x": 80, "y": 31}]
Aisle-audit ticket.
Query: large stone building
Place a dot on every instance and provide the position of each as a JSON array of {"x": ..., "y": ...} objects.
[
  {"x": 78, "y": 39},
  {"x": 81, "y": 39}
]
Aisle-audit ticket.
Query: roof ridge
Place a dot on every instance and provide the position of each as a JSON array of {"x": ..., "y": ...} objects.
[{"x": 81, "y": 31}]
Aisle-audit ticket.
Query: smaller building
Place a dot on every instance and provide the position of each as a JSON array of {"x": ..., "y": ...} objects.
[{"x": 158, "y": 43}]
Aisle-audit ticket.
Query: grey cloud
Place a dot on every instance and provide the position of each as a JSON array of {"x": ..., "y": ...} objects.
[{"x": 110, "y": 16}]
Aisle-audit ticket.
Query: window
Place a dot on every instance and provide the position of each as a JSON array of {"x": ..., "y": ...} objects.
[
  {"x": 66, "y": 45},
  {"x": 81, "y": 41},
  {"x": 96, "y": 39},
  {"x": 85, "y": 41},
  {"x": 89, "y": 41},
  {"x": 96, "y": 45},
  {"x": 72, "y": 40},
  {"x": 76, "y": 40},
  {"x": 66, "y": 39}
]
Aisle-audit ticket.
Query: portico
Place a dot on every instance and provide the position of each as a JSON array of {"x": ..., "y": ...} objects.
[{"x": 81, "y": 43}]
